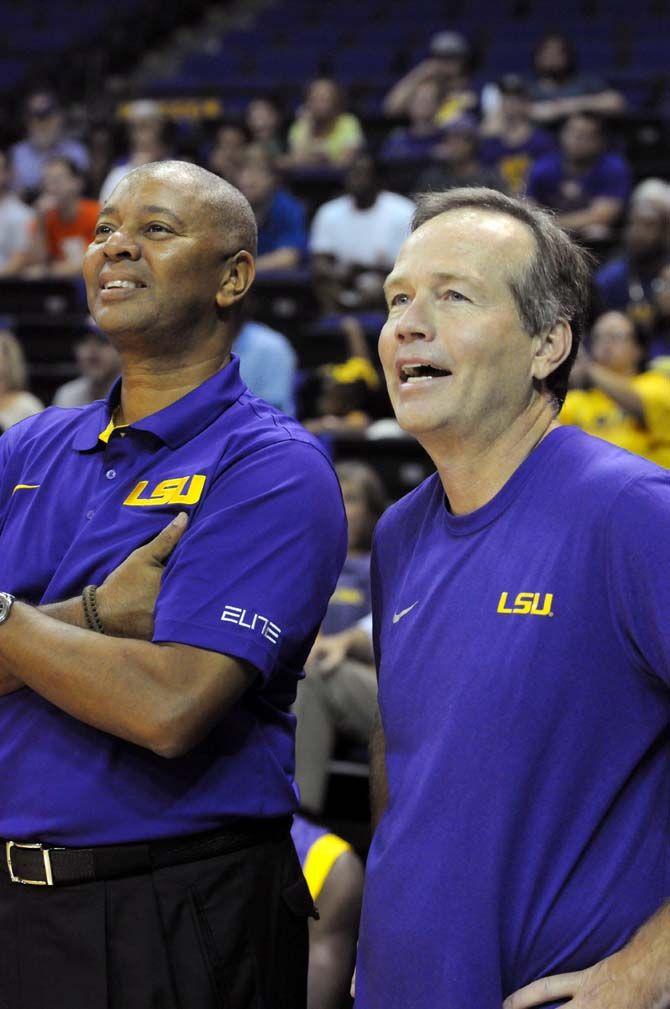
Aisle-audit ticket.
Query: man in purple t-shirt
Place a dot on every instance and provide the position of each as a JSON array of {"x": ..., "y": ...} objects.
[
  {"x": 147, "y": 764},
  {"x": 586, "y": 185},
  {"x": 521, "y": 766}
]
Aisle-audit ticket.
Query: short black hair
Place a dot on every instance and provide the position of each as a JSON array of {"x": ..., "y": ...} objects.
[{"x": 229, "y": 207}]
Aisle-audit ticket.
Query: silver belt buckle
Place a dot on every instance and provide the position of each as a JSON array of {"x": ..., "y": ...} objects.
[{"x": 45, "y": 857}]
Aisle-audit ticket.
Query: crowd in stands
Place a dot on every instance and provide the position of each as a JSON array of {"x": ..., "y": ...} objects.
[{"x": 333, "y": 203}]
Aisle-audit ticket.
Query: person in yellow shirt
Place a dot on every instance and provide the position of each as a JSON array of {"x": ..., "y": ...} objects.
[
  {"x": 323, "y": 134},
  {"x": 616, "y": 400}
]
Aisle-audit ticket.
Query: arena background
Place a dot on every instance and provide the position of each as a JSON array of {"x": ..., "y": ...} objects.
[{"x": 193, "y": 69}]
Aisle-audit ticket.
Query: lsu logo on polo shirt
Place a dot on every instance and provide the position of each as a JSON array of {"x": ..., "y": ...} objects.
[
  {"x": 527, "y": 603},
  {"x": 179, "y": 490}
]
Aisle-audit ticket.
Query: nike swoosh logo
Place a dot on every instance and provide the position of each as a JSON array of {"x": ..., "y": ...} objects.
[
  {"x": 403, "y": 613},
  {"x": 26, "y": 486}
]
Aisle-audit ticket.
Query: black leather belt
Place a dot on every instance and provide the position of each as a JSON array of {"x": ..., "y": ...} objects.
[{"x": 42, "y": 865}]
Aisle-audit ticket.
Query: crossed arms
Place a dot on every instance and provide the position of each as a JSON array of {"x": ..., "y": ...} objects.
[{"x": 165, "y": 697}]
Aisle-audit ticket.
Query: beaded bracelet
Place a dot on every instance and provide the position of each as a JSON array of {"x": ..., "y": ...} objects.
[{"x": 91, "y": 615}]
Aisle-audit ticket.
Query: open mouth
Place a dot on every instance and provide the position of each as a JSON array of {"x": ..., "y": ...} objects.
[
  {"x": 411, "y": 374},
  {"x": 122, "y": 285}
]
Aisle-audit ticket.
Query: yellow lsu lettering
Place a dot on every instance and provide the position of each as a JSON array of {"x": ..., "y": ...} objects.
[
  {"x": 527, "y": 603},
  {"x": 168, "y": 492}
]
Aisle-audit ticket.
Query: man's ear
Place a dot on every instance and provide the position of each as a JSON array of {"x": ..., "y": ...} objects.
[
  {"x": 237, "y": 277},
  {"x": 552, "y": 348}
]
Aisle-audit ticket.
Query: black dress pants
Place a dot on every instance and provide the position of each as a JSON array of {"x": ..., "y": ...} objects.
[{"x": 228, "y": 932}]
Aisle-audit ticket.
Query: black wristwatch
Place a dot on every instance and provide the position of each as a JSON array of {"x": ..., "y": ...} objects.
[{"x": 6, "y": 603}]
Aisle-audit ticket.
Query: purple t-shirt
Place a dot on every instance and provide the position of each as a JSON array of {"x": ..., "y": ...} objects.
[
  {"x": 524, "y": 667},
  {"x": 251, "y": 578},
  {"x": 552, "y": 185}
]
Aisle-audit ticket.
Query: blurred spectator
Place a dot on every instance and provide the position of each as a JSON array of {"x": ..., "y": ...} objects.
[
  {"x": 16, "y": 403},
  {"x": 659, "y": 341},
  {"x": 66, "y": 221},
  {"x": 559, "y": 90},
  {"x": 418, "y": 139},
  {"x": 16, "y": 225},
  {"x": 98, "y": 364},
  {"x": 101, "y": 145},
  {"x": 655, "y": 191},
  {"x": 512, "y": 143},
  {"x": 263, "y": 120},
  {"x": 346, "y": 390},
  {"x": 586, "y": 185},
  {"x": 323, "y": 134},
  {"x": 334, "y": 875},
  {"x": 228, "y": 153},
  {"x": 457, "y": 160},
  {"x": 149, "y": 139},
  {"x": 612, "y": 398},
  {"x": 355, "y": 238},
  {"x": 282, "y": 228},
  {"x": 46, "y": 139},
  {"x": 268, "y": 364},
  {"x": 339, "y": 692},
  {"x": 449, "y": 68},
  {"x": 625, "y": 283}
]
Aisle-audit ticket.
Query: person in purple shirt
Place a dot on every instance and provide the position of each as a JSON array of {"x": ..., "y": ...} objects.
[
  {"x": 512, "y": 143},
  {"x": 282, "y": 228},
  {"x": 417, "y": 140},
  {"x": 148, "y": 753},
  {"x": 584, "y": 184},
  {"x": 626, "y": 283},
  {"x": 521, "y": 765}
]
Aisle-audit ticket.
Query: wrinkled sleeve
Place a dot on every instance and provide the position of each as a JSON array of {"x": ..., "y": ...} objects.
[
  {"x": 252, "y": 576},
  {"x": 639, "y": 561}
]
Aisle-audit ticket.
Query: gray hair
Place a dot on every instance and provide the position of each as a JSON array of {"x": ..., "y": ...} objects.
[{"x": 553, "y": 287}]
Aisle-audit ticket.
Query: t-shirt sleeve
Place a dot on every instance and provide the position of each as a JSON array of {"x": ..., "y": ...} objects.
[
  {"x": 653, "y": 387},
  {"x": 638, "y": 553},
  {"x": 252, "y": 576}
]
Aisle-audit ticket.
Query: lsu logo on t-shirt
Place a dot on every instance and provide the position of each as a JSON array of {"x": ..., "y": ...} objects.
[
  {"x": 527, "y": 603},
  {"x": 180, "y": 490}
]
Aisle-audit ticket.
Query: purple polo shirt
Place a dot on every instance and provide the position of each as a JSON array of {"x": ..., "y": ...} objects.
[
  {"x": 524, "y": 675},
  {"x": 251, "y": 578}
]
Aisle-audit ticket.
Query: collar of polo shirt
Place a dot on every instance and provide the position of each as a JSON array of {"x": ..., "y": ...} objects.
[{"x": 168, "y": 425}]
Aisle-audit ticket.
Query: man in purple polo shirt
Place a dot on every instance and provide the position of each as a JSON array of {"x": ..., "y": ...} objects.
[
  {"x": 521, "y": 769},
  {"x": 147, "y": 771}
]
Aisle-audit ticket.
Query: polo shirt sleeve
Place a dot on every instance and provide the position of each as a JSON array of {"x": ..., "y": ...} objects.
[
  {"x": 252, "y": 576},
  {"x": 638, "y": 557}
]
